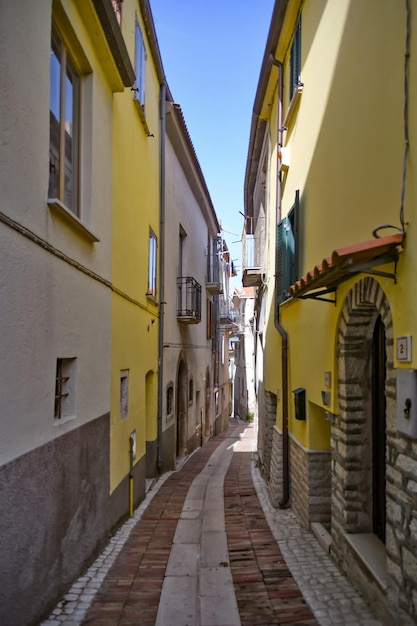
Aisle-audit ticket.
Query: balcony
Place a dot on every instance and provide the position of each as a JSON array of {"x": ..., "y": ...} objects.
[
  {"x": 239, "y": 327},
  {"x": 214, "y": 286},
  {"x": 254, "y": 271},
  {"x": 227, "y": 313},
  {"x": 189, "y": 300},
  {"x": 253, "y": 276}
]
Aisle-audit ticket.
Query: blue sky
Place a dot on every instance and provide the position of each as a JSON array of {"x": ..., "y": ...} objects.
[{"x": 212, "y": 53}]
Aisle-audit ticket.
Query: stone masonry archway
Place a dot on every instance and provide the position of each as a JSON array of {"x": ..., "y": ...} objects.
[{"x": 353, "y": 447}]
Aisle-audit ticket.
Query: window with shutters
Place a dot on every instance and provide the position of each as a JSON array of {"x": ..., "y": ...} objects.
[
  {"x": 295, "y": 60},
  {"x": 170, "y": 400},
  {"x": 210, "y": 319},
  {"x": 287, "y": 252}
]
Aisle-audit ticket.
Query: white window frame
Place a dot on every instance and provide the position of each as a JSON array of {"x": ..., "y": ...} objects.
[
  {"x": 152, "y": 264},
  {"x": 64, "y": 126},
  {"x": 140, "y": 66}
]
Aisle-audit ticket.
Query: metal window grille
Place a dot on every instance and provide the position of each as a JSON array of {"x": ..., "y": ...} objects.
[{"x": 60, "y": 393}]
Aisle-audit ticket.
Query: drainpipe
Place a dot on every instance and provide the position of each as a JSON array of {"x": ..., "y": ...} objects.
[
  {"x": 131, "y": 484},
  {"x": 284, "y": 337},
  {"x": 285, "y": 442},
  {"x": 161, "y": 275}
]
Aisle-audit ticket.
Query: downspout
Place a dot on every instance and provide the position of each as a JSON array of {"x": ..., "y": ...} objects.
[
  {"x": 131, "y": 483},
  {"x": 284, "y": 337},
  {"x": 161, "y": 275}
]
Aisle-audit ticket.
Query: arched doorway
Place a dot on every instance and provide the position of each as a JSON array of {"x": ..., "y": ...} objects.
[
  {"x": 182, "y": 410},
  {"x": 207, "y": 405},
  {"x": 379, "y": 368},
  {"x": 366, "y": 393}
]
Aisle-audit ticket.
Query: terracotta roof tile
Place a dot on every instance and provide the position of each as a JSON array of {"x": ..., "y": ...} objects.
[
  {"x": 345, "y": 262},
  {"x": 245, "y": 292}
]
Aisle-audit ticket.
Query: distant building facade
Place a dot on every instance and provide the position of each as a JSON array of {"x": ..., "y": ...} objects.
[
  {"x": 244, "y": 381},
  {"x": 192, "y": 389}
]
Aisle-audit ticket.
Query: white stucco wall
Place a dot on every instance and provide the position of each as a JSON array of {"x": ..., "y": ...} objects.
[
  {"x": 190, "y": 340},
  {"x": 183, "y": 210},
  {"x": 48, "y": 309}
]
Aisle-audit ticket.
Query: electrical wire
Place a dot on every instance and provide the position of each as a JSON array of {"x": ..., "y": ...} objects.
[
  {"x": 406, "y": 96},
  {"x": 405, "y": 123}
]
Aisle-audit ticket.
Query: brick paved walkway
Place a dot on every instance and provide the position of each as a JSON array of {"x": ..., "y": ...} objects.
[
  {"x": 265, "y": 591},
  {"x": 129, "y": 595}
]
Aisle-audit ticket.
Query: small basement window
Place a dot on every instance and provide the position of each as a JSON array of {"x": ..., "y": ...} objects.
[
  {"x": 65, "y": 380},
  {"x": 124, "y": 394}
]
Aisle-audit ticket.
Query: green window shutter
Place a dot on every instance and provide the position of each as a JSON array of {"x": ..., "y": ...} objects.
[
  {"x": 295, "y": 59},
  {"x": 293, "y": 245},
  {"x": 289, "y": 260},
  {"x": 287, "y": 252},
  {"x": 279, "y": 259}
]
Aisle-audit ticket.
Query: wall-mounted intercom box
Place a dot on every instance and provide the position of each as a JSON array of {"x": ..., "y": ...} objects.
[
  {"x": 407, "y": 402},
  {"x": 325, "y": 397},
  {"x": 300, "y": 403}
]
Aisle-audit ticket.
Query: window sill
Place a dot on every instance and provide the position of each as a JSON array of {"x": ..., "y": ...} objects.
[
  {"x": 142, "y": 115},
  {"x": 63, "y": 420},
  {"x": 293, "y": 104},
  {"x": 371, "y": 553},
  {"x": 61, "y": 210},
  {"x": 151, "y": 298}
]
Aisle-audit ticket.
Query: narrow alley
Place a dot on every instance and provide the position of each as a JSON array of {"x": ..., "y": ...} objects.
[
  {"x": 207, "y": 210},
  {"x": 206, "y": 549}
]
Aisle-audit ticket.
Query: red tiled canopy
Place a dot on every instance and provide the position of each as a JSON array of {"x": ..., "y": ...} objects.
[{"x": 345, "y": 262}]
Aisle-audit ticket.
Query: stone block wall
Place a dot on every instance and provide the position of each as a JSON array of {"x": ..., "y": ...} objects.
[
  {"x": 275, "y": 485},
  {"x": 261, "y": 426},
  {"x": 310, "y": 480},
  {"x": 310, "y": 484},
  {"x": 401, "y": 539},
  {"x": 269, "y": 419}
]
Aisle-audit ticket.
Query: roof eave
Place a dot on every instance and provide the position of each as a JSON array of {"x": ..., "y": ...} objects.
[{"x": 255, "y": 145}]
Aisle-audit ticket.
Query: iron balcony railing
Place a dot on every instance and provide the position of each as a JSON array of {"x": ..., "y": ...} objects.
[
  {"x": 189, "y": 300},
  {"x": 214, "y": 277}
]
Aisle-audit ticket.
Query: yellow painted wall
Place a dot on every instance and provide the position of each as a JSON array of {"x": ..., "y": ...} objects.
[
  {"x": 135, "y": 210},
  {"x": 133, "y": 349},
  {"x": 346, "y": 143}
]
